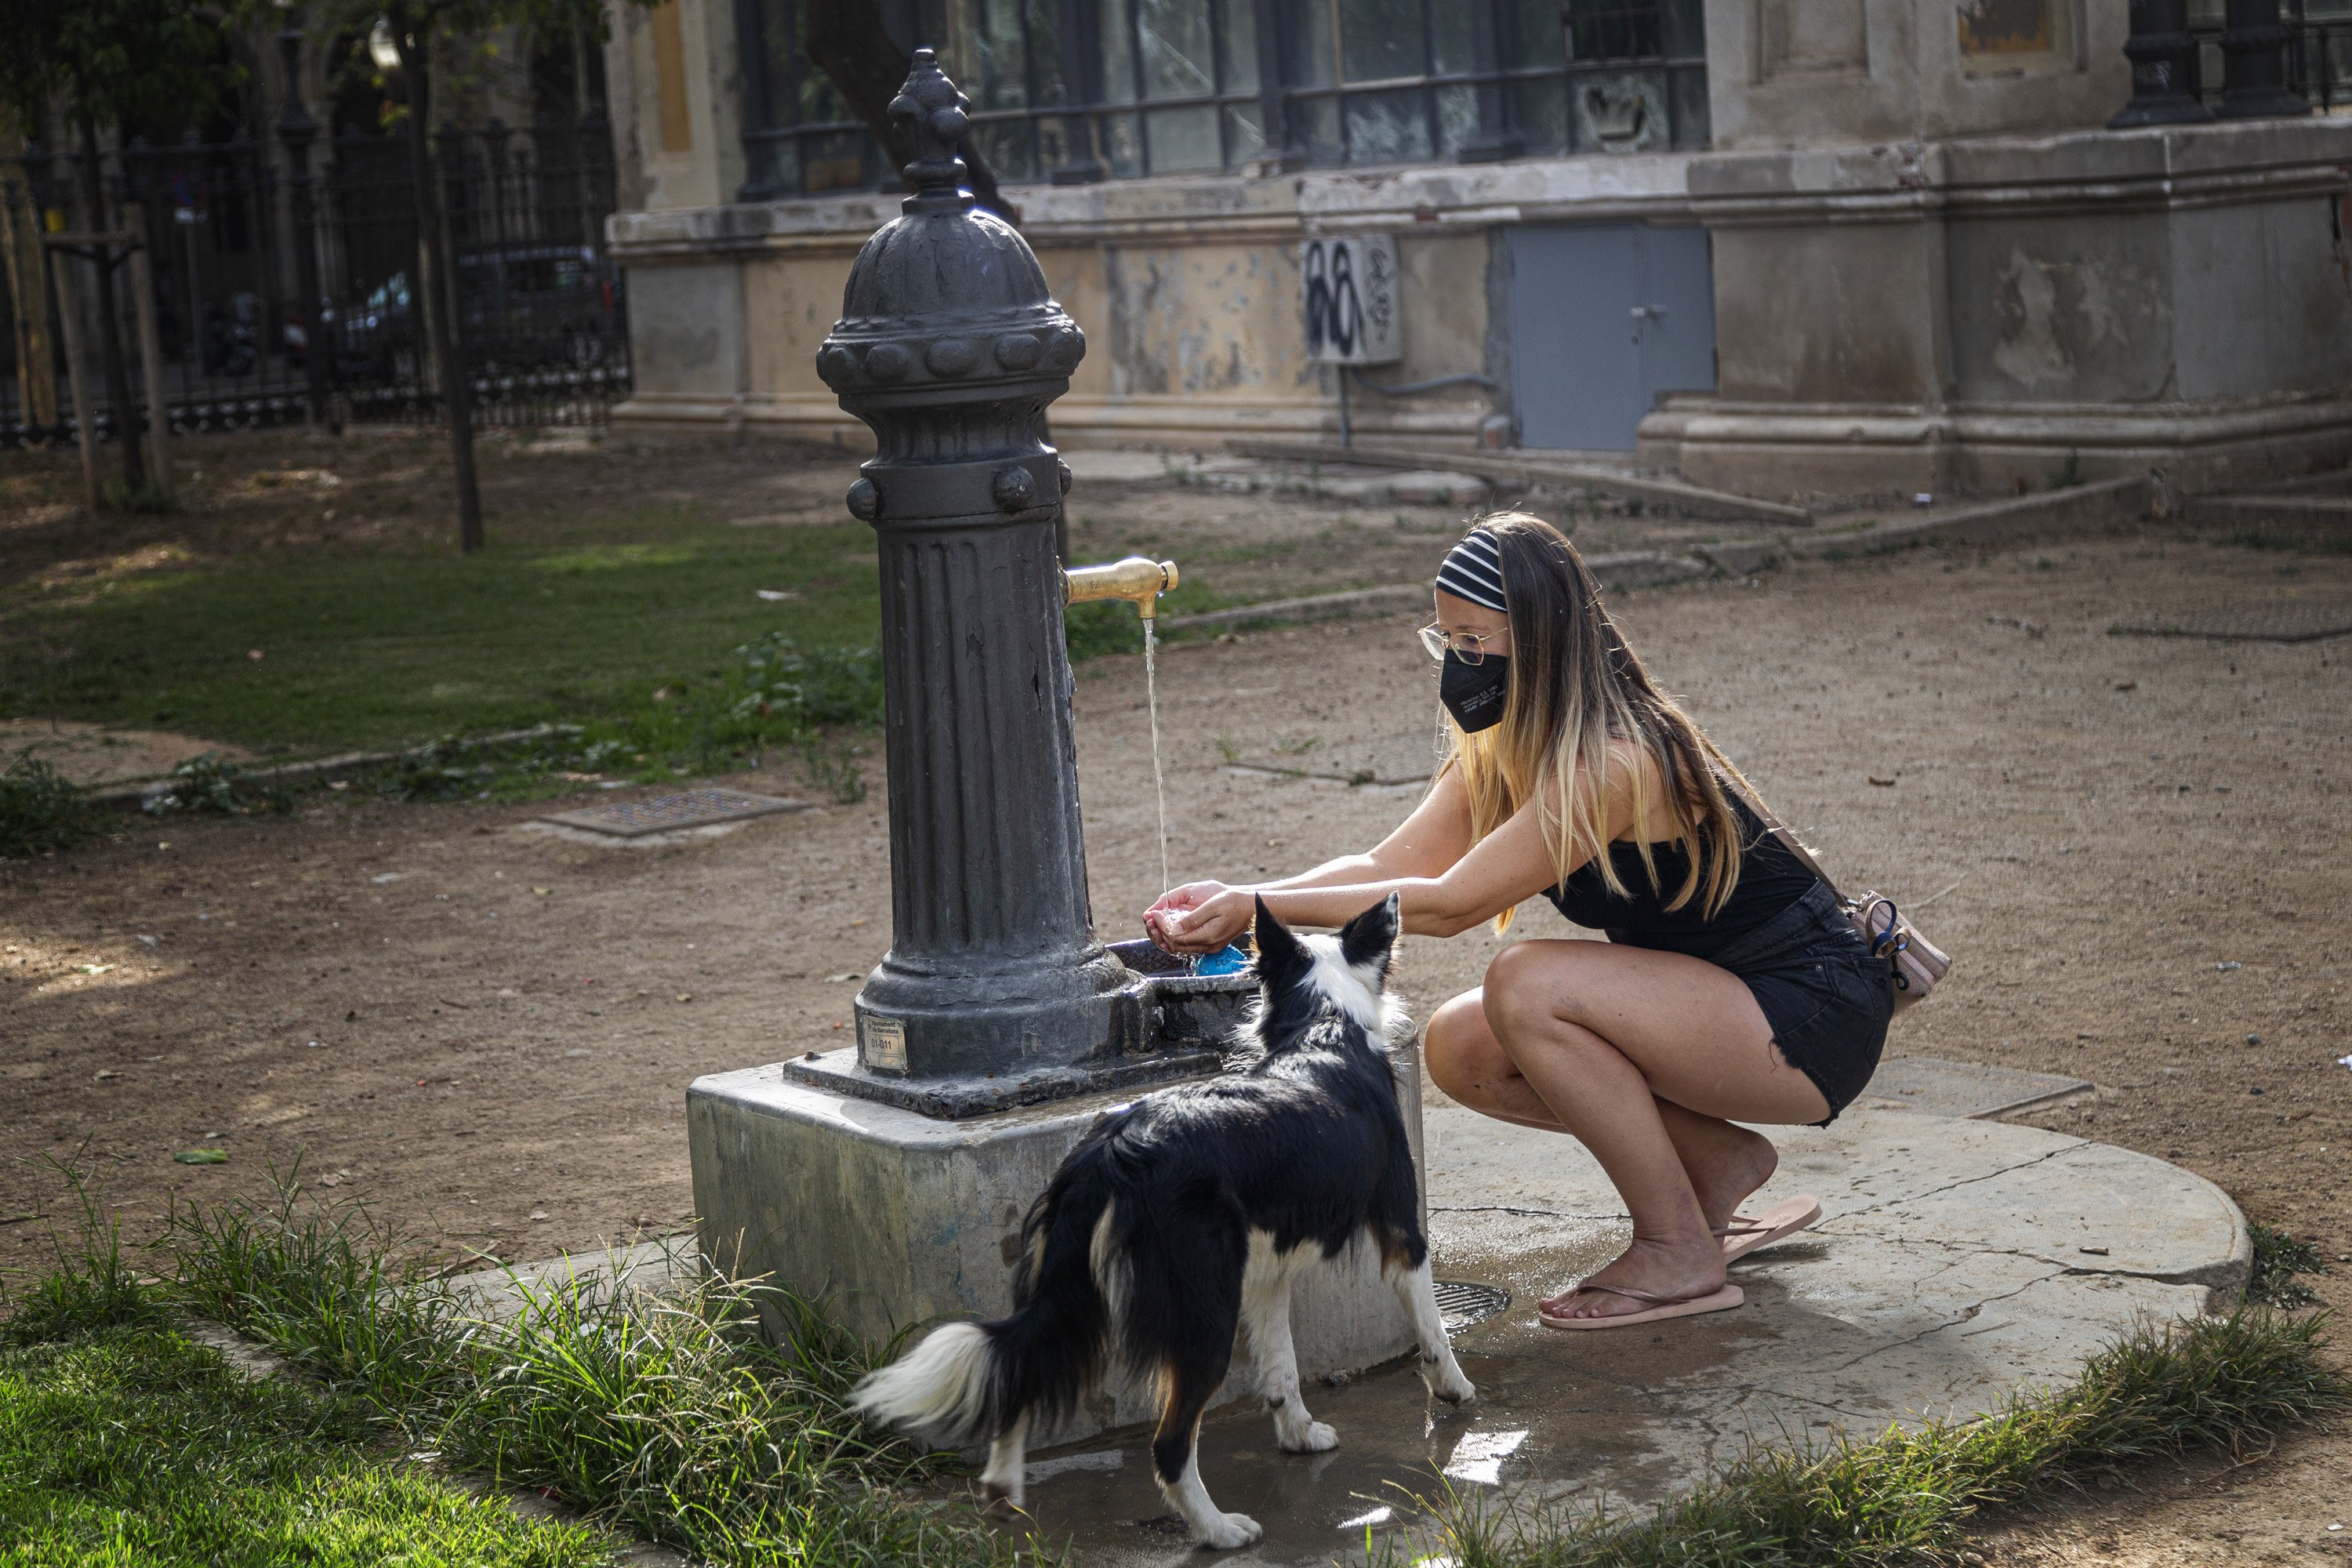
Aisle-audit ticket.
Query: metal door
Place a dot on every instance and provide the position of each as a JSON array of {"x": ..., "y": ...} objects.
[{"x": 1604, "y": 317}]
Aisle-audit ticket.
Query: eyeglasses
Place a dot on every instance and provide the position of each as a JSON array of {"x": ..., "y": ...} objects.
[{"x": 1470, "y": 648}]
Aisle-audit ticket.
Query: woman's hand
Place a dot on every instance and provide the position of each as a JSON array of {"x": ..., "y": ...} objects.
[
  {"x": 1174, "y": 904},
  {"x": 1201, "y": 924}
]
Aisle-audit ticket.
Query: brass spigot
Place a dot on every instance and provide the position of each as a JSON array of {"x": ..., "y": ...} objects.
[{"x": 1138, "y": 577}]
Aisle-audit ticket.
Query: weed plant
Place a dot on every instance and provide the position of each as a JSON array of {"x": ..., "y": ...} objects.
[
  {"x": 43, "y": 810},
  {"x": 2278, "y": 1259},
  {"x": 2227, "y": 1384},
  {"x": 212, "y": 784}
]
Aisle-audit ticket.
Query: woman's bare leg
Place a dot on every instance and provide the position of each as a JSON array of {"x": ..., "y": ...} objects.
[
  {"x": 1725, "y": 1162},
  {"x": 1603, "y": 1034}
]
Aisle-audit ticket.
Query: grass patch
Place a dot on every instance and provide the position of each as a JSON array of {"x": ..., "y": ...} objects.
[
  {"x": 669, "y": 1416},
  {"x": 123, "y": 1442},
  {"x": 2227, "y": 1384},
  {"x": 42, "y": 810},
  {"x": 366, "y": 652},
  {"x": 130, "y": 1445}
]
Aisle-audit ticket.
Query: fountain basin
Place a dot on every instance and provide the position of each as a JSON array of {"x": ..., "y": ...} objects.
[{"x": 897, "y": 1218}]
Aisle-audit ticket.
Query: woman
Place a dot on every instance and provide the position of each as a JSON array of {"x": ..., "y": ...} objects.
[{"x": 1731, "y": 988}]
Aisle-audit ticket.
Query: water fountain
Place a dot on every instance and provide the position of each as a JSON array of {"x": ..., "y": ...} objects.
[{"x": 893, "y": 1175}]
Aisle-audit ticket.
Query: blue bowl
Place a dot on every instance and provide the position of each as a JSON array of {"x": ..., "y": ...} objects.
[{"x": 1228, "y": 959}]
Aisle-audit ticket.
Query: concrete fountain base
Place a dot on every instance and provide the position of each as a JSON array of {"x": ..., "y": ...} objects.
[
  {"x": 1959, "y": 1260},
  {"x": 899, "y": 1218}
]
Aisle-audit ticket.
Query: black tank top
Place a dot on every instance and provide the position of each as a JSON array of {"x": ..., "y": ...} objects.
[{"x": 1770, "y": 879}]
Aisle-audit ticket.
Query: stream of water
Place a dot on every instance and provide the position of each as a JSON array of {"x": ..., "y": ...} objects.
[{"x": 1151, "y": 700}]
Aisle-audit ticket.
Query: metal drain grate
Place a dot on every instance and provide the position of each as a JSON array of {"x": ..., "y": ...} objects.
[
  {"x": 662, "y": 813},
  {"x": 2271, "y": 620},
  {"x": 1461, "y": 1303}
]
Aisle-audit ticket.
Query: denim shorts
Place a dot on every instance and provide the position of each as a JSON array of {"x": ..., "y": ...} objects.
[{"x": 1827, "y": 1000}]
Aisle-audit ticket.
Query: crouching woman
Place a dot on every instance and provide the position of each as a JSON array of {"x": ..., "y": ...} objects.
[{"x": 1731, "y": 988}]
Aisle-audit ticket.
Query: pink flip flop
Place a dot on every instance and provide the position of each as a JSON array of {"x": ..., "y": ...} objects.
[
  {"x": 1746, "y": 1233},
  {"x": 1659, "y": 1308}
]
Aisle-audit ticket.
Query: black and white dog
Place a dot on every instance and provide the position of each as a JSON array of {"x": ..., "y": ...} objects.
[{"x": 1185, "y": 1216}]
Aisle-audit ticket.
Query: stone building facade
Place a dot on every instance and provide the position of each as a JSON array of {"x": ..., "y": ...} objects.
[{"x": 1779, "y": 246}]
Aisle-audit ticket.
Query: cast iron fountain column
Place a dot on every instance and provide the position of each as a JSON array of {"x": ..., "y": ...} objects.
[{"x": 949, "y": 347}]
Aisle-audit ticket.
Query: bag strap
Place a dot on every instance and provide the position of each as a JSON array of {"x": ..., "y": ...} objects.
[{"x": 1788, "y": 839}]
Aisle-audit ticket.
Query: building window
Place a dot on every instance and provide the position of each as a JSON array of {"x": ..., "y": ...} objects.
[
  {"x": 1189, "y": 67},
  {"x": 1081, "y": 89}
]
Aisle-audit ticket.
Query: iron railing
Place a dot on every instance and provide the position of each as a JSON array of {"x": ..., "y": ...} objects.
[
  {"x": 542, "y": 318},
  {"x": 2318, "y": 58}
]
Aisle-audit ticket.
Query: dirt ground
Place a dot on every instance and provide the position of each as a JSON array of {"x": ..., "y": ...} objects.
[
  {"x": 483, "y": 1028},
  {"x": 373, "y": 489}
]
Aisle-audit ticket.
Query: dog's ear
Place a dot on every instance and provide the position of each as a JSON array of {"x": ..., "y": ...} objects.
[
  {"x": 1281, "y": 957},
  {"x": 1370, "y": 937}
]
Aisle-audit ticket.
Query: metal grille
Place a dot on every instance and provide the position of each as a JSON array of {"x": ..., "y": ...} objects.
[
  {"x": 542, "y": 317},
  {"x": 664, "y": 812},
  {"x": 2318, "y": 52},
  {"x": 1461, "y": 1303},
  {"x": 2275, "y": 620}
]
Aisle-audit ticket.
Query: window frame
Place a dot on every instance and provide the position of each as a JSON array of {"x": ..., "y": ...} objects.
[{"x": 1283, "y": 103}]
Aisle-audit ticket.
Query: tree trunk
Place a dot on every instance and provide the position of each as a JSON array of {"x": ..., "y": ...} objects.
[
  {"x": 845, "y": 39},
  {"x": 128, "y": 423},
  {"x": 438, "y": 293}
]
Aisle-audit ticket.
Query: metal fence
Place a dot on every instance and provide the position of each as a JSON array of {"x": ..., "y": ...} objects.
[
  {"x": 2318, "y": 53},
  {"x": 540, "y": 318}
]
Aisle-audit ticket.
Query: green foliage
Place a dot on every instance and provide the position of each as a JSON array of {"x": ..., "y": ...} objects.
[
  {"x": 833, "y": 769},
  {"x": 212, "y": 784},
  {"x": 377, "y": 652},
  {"x": 93, "y": 1286},
  {"x": 1106, "y": 625},
  {"x": 2278, "y": 1259},
  {"x": 2222, "y": 1383},
  {"x": 41, "y": 809},
  {"x": 102, "y": 62},
  {"x": 666, "y": 1411},
  {"x": 129, "y": 1444}
]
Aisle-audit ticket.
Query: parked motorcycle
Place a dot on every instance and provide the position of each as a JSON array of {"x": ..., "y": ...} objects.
[{"x": 231, "y": 345}]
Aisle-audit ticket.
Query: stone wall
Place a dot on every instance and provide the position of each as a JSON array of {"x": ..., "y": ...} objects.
[
  {"x": 1991, "y": 314},
  {"x": 1814, "y": 73},
  {"x": 1188, "y": 291}
]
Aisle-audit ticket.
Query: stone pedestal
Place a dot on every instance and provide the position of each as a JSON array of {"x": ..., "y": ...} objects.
[{"x": 900, "y": 1220}]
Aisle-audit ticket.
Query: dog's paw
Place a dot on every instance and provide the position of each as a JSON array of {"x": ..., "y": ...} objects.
[
  {"x": 1448, "y": 1384},
  {"x": 1317, "y": 1438},
  {"x": 1228, "y": 1530}
]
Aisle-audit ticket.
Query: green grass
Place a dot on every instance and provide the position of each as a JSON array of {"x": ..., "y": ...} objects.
[
  {"x": 2218, "y": 1385},
  {"x": 367, "y": 651},
  {"x": 124, "y": 1442},
  {"x": 665, "y": 1414},
  {"x": 130, "y": 1445}
]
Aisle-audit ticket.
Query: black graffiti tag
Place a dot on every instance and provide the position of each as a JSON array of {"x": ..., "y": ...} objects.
[{"x": 1335, "y": 314}]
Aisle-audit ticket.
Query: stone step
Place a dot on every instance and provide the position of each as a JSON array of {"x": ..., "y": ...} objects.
[{"x": 1535, "y": 468}]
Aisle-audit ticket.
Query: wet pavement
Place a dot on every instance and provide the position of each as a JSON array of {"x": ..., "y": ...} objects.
[{"x": 1957, "y": 1261}]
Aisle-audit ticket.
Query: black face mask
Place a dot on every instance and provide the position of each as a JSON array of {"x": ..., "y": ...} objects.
[{"x": 1473, "y": 693}]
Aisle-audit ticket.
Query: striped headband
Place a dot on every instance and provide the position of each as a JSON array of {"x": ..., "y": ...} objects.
[{"x": 1473, "y": 571}]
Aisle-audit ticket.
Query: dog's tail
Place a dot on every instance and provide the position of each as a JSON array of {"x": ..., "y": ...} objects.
[{"x": 966, "y": 1383}]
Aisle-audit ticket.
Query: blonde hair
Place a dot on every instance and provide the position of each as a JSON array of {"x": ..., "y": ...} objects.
[{"x": 1577, "y": 687}]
